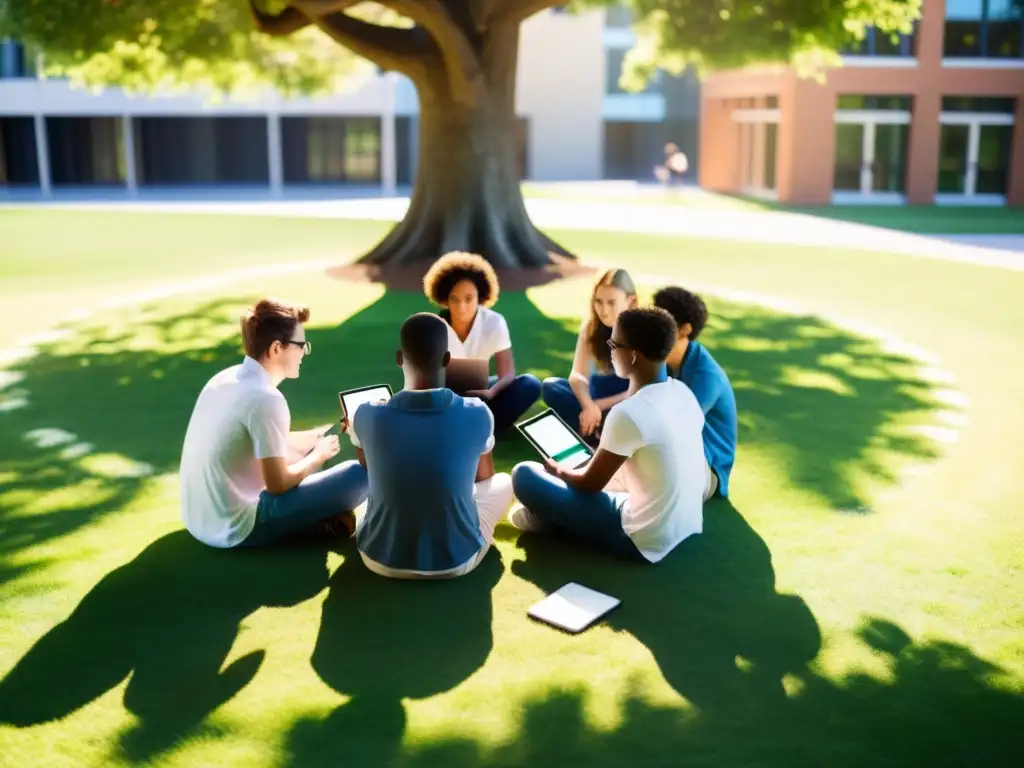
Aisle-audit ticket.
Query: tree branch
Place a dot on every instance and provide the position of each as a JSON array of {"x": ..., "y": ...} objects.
[
  {"x": 391, "y": 48},
  {"x": 283, "y": 24},
  {"x": 464, "y": 73}
]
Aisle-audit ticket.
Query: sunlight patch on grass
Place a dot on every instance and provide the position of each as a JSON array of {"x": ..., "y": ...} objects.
[{"x": 811, "y": 379}]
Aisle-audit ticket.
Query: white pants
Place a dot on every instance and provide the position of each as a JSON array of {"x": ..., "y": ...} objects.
[{"x": 493, "y": 500}]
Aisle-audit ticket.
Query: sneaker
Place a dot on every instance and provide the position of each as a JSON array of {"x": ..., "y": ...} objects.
[
  {"x": 337, "y": 528},
  {"x": 524, "y": 520}
]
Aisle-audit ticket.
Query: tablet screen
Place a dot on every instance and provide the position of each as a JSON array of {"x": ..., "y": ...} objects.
[
  {"x": 557, "y": 441},
  {"x": 352, "y": 400}
]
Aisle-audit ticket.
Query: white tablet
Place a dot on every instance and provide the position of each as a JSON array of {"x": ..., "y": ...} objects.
[
  {"x": 555, "y": 440},
  {"x": 573, "y": 607},
  {"x": 351, "y": 399}
]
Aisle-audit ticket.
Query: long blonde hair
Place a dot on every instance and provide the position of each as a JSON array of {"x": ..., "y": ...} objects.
[{"x": 599, "y": 333}]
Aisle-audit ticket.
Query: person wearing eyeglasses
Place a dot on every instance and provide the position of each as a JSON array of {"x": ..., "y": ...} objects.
[
  {"x": 642, "y": 492},
  {"x": 247, "y": 479}
]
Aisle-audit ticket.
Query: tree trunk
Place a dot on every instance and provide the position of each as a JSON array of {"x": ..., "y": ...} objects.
[{"x": 466, "y": 196}]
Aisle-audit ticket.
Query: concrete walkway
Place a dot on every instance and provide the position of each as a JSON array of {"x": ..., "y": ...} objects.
[{"x": 1005, "y": 252}]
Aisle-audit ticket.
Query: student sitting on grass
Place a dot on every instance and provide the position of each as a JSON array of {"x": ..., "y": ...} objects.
[
  {"x": 640, "y": 495},
  {"x": 434, "y": 497},
  {"x": 466, "y": 286},
  {"x": 592, "y": 388},
  {"x": 246, "y": 479},
  {"x": 691, "y": 362}
]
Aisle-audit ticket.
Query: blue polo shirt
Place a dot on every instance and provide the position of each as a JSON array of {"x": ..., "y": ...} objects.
[
  {"x": 705, "y": 377},
  {"x": 422, "y": 449}
]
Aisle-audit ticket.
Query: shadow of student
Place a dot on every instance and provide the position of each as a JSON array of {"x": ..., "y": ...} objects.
[
  {"x": 385, "y": 640},
  {"x": 168, "y": 618},
  {"x": 709, "y": 612}
]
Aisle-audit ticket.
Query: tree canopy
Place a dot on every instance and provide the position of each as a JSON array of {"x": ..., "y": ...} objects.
[{"x": 237, "y": 45}]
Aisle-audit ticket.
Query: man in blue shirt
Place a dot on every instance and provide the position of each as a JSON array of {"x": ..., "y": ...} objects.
[
  {"x": 434, "y": 498},
  {"x": 691, "y": 362}
]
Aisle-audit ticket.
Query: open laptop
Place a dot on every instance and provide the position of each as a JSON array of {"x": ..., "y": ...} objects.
[{"x": 465, "y": 374}]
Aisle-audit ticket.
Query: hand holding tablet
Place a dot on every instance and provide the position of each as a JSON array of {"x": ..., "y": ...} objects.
[
  {"x": 351, "y": 399},
  {"x": 555, "y": 440}
]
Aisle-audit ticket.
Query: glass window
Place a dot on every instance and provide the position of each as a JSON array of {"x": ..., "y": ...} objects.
[
  {"x": 771, "y": 141},
  {"x": 989, "y": 28},
  {"x": 614, "y": 58},
  {"x": 325, "y": 149},
  {"x": 619, "y": 17},
  {"x": 362, "y": 149},
  {"x": 1005, "y": 106},
  {"x": 964, "y": 9},
  {"x": 887, "y": 103}
]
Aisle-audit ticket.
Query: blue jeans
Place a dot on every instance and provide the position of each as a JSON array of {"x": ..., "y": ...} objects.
[
  {"x": 514, "y": 400},
  {"x": 320, "y": 496},
  {"x": 560, "y": 398},
  {"x": 595, "y": 518}
]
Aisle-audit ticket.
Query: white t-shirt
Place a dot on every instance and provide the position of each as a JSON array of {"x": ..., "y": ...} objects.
[
  {"x": 659, "y": 431},
  {"x": 487, "y": 336},
  {"x": 239, "y": 418}
]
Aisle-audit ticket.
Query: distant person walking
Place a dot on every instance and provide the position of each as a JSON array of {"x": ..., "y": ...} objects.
[{"x": 675, "y": 167}]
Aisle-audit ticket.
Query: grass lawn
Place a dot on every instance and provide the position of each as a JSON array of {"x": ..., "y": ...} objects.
[{"x": 856, "y": 602}]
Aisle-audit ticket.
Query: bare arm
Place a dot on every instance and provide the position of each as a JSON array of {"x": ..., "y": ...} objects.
[
  {"x": 579, "y": 378},
  {"x": 485, "y": 468},
  {"x": 280, "y": 477},
  {"x": 594, "y": 476},
  {"x": 506, "y": 366},
  {"x": 302, "y": 442}
]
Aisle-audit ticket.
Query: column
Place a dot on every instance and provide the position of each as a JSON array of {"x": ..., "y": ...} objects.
[
  {"x": 807, "y": 142},
  {"x": 131, "y": 178},
  {"x": 923, "y": 152},
  {"x": 1015, "y": 187},
  {"x": 43, "y": 156},
  {"x": 275, "y": 161}
]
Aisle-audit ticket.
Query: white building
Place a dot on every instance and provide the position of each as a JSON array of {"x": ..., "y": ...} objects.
[{"x": 577, "y": 125}]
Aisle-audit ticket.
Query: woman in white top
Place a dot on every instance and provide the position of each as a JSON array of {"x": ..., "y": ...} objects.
[
  {"x": 592, "y": 388},
  {"x": 465, "y": 286},
  {"x": 643, "y": 491}
]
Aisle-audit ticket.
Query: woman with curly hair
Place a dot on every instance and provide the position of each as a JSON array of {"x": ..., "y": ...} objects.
[
  {"x": 465, "y": 286},
  {"x": 592, "y": 388}
]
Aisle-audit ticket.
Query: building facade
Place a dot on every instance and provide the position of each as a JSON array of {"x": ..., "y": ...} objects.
[
  {"x": 933, "y": 117},
  {"x": 576, "y": 126}
]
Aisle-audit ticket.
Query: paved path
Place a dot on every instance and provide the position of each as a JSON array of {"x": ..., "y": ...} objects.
[{"x": 1006, "y": 252}]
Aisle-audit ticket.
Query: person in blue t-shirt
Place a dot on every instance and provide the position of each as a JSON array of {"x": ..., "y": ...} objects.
[
  {"x": 434, "y": 497},
  {"x": 691, "y": 362}
]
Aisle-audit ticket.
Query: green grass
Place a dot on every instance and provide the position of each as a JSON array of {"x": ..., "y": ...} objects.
[{"x": 839, "y": 611}]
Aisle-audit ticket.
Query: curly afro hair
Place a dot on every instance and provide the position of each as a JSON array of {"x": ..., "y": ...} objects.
[
  {"x": 685, "y": 307},
  {"x": 451, "y": 269},
  {"x": 650, "y": 331}
]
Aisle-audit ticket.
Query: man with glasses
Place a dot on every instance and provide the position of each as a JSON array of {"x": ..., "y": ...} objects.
[
  {"x": 641, "y": 494},
  {"x": 246, "y": 478}
]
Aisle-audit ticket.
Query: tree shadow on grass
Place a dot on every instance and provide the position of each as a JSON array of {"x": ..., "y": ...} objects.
[
  {"x": 382, "y": 641},
  {"x": 940, "y": 706},
  {"x": 169, "y": 619},
  {"x": 107, "y": 407}
]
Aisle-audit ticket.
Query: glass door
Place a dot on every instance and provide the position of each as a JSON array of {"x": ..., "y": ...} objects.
[
  {"x": 993, "y": 145},
  {"x": 889, "y": 163},
  {"x": 954, "y": 145},
  {"x": 849, "y": 157}
]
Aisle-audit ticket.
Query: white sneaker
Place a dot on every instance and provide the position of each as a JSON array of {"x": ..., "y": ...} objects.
[{"x": 524, "y": 520}]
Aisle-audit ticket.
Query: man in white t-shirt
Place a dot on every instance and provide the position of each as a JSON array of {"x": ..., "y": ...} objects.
[
  {"x": 246, "y": 478},
  {"x": 642, "y": 493}
]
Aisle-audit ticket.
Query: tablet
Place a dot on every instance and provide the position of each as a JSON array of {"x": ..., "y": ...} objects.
[
  {"x": 351, "y": 399},
  {"x": 573, "y": 607},
  {"x": 555, "y": 439}
]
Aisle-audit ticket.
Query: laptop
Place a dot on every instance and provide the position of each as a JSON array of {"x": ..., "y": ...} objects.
[
  {"x": 465, "y": 374},
  {"x": 573, "y": 608}
]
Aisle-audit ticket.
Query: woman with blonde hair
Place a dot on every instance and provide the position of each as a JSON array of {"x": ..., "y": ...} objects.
[{"x": 592, "y": 388}]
